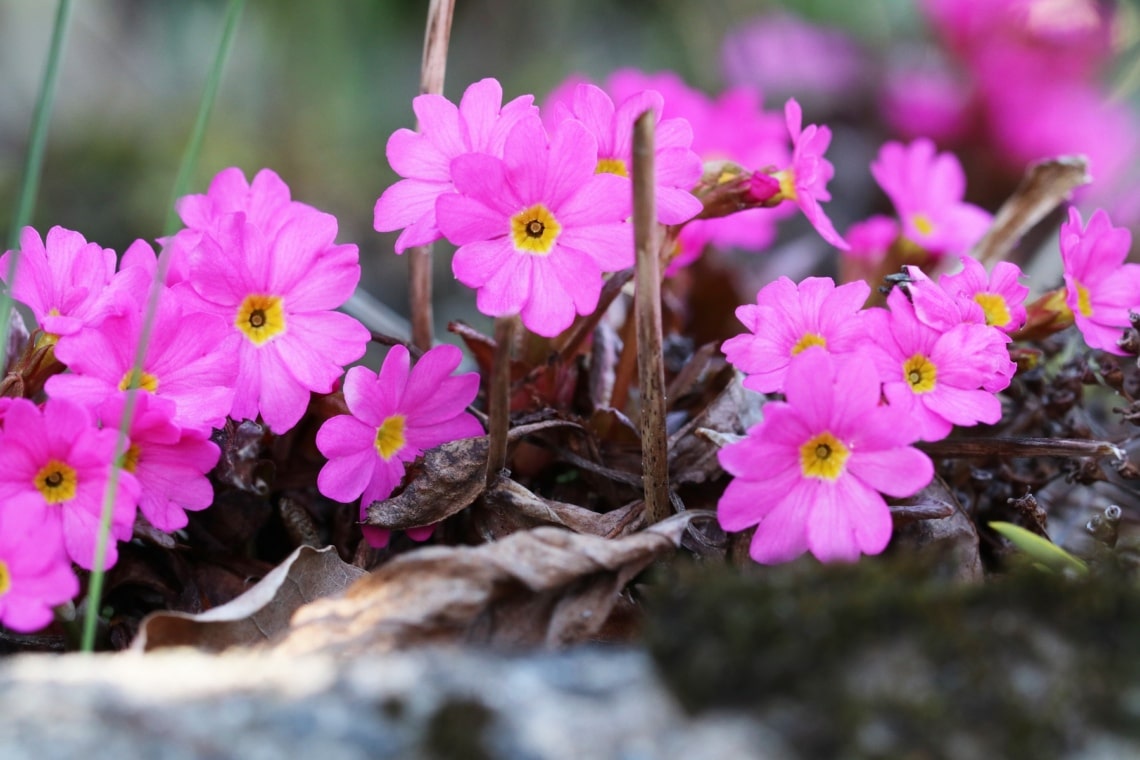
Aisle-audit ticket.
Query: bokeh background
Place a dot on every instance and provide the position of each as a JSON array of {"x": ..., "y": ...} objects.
[{"x": 313, "y": 90}]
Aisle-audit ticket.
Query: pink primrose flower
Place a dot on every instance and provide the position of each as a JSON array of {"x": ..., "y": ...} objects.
[
  {"x": 395, "y": 416},
  {"x": 1100, "y": 288},
  {"x": 925, "y": 98},
  {"x": 54, "y": 464},
  {"x": 811, "y": 475},
  {"x": 1001, "y": 295},
  {"x": 804, "y": 181},
  {"x": 677, "y": 168},
  {"x": 278, "y": 292},
  {"x": 480, "y": 124},
  {"x": 35, "y": 575},
  {"x": 169, "y": 463},
  {"x": 787, "y": 319},
  {"x": 937, "y": 376},
  {"x": 927, "y": 190},
  {"x": 537, "y": 228},
  {"x": 872, "y": 238}
]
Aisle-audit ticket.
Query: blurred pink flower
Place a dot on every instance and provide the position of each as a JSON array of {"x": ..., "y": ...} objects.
[
  {"x": 804, "y": 181},
  {"x": 395, "y": 416},
  {"x": 927, "y": 190},
  {"x": 788, "y": 319},
  {"x": 811, "y": 474},
  {"x": 1000, "y": 294},
  {"x": 35, "y": 575},
  {"x": 54, "y": 464},
  {"x": 480, "y": 124},
  {"x": 925, "y": 99},
  {"x": 872, "y": 238},
  {"x": 537, "y": 228},
  {"x": 1100, "y": 288}
]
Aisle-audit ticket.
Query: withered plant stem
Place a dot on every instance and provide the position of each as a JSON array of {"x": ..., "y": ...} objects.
[
  {"x": 647, "y": 306},
  {"x": 1020, "y": 447},
  {"x": 436, "y": 38},
  {"x": 499, "y": 397}
]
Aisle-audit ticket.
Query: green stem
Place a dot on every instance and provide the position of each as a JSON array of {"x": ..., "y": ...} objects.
[{"x": 189, "y": 160}]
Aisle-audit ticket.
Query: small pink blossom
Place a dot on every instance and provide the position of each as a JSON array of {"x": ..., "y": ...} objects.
[
  {"x": 872, "y": 238},
  {"x": 813, "y": 472},
  {"x": 35, "y": 575},
  {"x": 480, "y": 124},
  {"x": 804, "y": 181},
  {"x": 1001, "y": 295},
  {"x": 788, "y": 319},
  {"x": 54, "y": 464},
  {"x": 395, "y": 416},
  {"x": 537, "y": 228},
  {"x": 1100, "y": 288},
  {"x": 927, "y": 190}
]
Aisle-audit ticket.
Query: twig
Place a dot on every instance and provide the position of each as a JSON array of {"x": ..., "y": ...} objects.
[
  {"x": 436, "y": 38},
  {"x": 499, "y": 397},
  {"x": 1021, "y": 447},
  {"x": 647, "y": 304}
]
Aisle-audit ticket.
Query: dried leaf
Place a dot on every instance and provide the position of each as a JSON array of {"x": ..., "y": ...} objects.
[
  {"x": 545, "y": 585},
  {"x": 508, "y": 507},
  {"x": 954, "y": 538},
  {"x": 257, "y": 615},
  {"x": 692, "y": 458}
]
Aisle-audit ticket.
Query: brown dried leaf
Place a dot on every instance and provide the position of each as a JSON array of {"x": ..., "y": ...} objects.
[
  {"x": 543, "y": 586},
  {"x": 954, "y": 539},
  {"x": 257, "y": 615},
  {"x": 508, "y": 507},
  {"x": 692, "y": 458}
]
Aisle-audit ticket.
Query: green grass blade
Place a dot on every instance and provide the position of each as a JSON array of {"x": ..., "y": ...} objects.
[{"x": 1039, "y": 549}]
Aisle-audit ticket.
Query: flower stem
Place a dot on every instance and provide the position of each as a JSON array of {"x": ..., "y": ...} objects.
[
  {"x": 436, "y": 38},
  {"x": 647, "y": 306},
  {"x": 37, "y": 144},
  {"x": 189, "y": 160},
  {"x": 499, "y": 397}
]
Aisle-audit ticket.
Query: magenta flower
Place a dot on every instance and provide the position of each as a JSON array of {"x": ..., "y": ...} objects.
[
  {"x": 1100, "y": 288},
  {"x": 677, "y": 168},
  {"x": 396, "y": 415},
  {"x": 537, "y": 228},
  {"x": 189, "y": 360},
  {"x": 1000, "y": 295},
  {"x": 938, "y": 376},
  {"x": 872, "y": 238},
  {"x": 279, "y": 293},
  {"x": 67, "y": 283},
  {"x": 804, "y": 181},
  {"x": 927, "y": 190},
  {"x": 54, "y": 464},
  {"x": 787, "y": 319},
  {"x": 480, "y": 124},
  {"x": 35, "y": 575},
  {"x": 169, "y": 463},
  {"x": 811, "y": 475}
]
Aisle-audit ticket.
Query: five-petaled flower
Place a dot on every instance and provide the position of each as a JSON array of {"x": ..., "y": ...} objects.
[
  {"x": 1100, "y": 289},
  {"x": 804, "y": 181}
]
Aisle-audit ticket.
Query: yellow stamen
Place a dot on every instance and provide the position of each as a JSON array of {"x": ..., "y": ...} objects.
[
  {"x": 995, "y": 308},
  {"x": 807, "y": 341},
  {"x": 147, "y": 381},
  {"x": 612, "y": 166},
  {"x": 1084, "y": 305},
  {"x": 534, "y": 230},
  {"x": 823, "y": 457},
  {"x": 787, "y": 179},
  {"x": 5, "y": 578},
  {"x": 922, "y": 223},
  {"x": 920, "y": 373},
  {"x": 130, "y": 461},
  {"x": 390, "y": 436},
  {"x": 261, "y": 318},
  {"x": 57, "y": 482}
]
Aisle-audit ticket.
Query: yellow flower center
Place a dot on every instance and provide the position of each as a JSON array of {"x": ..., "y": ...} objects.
[
  {"x": 261, "y": 318},
  {"x": 807, "y": 341},
  {"x": 144, "y": 380},
  {"x": 534, "y": 230},
  {"x": 130, "y": 460},
  {"x": 612, "y": 166},
  {"x": 995, "y": 307},
  {"x": 920, "y": 373},
  {"x": 5, "y": 578},
  {"x": 922, "y": 223},
  {"x": 787, "y": 179},
  {"x": 1084, "y": 306},
  {"x": 823, "y": 457},
  {"x": 57, "y": 482},
  {"x": 390, "y": 436}
]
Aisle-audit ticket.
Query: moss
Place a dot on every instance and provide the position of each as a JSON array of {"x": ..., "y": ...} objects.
[
  {"x": 457, "y": 730},
  {"x": 881, "y": 659}
]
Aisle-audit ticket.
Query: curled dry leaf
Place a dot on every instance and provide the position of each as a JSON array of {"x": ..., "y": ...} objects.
[
  {"x": 543, "y": 586},
  {"x": 509, "y": 507},
  {"x": 692, "y": 458},
  {"x": 257, "y": 615}
]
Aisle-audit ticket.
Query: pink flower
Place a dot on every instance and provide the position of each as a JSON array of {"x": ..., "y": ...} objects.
[
  {"x": 537, "y": 228},
  {"x": 811, "y": 474},
  {"x": 54, "y": 464},
  {"x": 35, "y": 575},
  {"x": 479, "y": 125},
  {"x": 169, "y": 463},
  {"x": 925, "y": 98},
  {"x": 68, "y": 283},
  {"x": 396, "y": 415},
  {"x": 927, "y": 190},
  {"x": 937, "y": 375},
  {"x": 278, "y": 292},
  {"x": 1000, "y": 295},
  {"x": 872, "y": 238},
  {"x": 804, "y": 182},
  {"x": 677, "y": 168},
  {"x": 189, "y": 360},
  {"x": 1100, "y": 288},
  {"x": 787, "y": 319}
]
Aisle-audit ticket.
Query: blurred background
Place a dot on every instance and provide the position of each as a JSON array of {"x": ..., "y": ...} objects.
[{"x": 313, "y": 90}]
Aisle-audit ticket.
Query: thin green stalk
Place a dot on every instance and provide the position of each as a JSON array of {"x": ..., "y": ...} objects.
[
  {"x": 37, "y": 143},
  {"x": 185, "y": 170}
]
